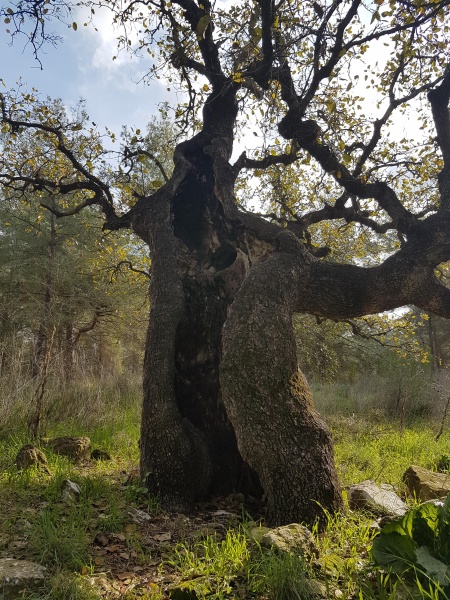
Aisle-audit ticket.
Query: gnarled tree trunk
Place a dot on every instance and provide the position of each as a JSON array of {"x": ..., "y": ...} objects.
[{"x": 225, "y": 407}]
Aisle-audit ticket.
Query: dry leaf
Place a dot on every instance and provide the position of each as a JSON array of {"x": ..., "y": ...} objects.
[
  {"x": 125, "y": 575},
  {"x": 163, "y": 537}
]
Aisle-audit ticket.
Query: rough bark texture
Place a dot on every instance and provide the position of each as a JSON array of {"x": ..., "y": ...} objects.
[
  {"x": 188, "y": 445},
  {"x": 244, "y": 421},
  {"x": 269, "y": 401}
]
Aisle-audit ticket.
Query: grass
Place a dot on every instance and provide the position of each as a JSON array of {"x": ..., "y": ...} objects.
[
  {"x": 381, "y": 451},
  {"x": 93, "y": 550}
]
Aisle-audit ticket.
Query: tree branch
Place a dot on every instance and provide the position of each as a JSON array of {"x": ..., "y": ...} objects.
[{"x": 439, "y": 99}]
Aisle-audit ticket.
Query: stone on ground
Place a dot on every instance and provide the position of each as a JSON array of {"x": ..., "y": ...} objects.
[
  {"x": 294, "y": 538},
  {"x": 18, "y": 576},
  {"x": 426, "y": 485},
  {"x": 31, "y": 456},
  {"x": 76, "y": 448},
  {"x": 381, "y": 501}
]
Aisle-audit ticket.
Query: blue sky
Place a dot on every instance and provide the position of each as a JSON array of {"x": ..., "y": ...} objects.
[{"x": 81, "y": 66}]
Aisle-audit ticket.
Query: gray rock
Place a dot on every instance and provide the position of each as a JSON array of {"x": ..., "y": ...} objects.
[
  {"x": 294, "y": 538},
  {"x": 426, "y": 485},
  {"x": 138, "y": 516},
  {"x": 381, "y": 501},
  {"x": 16, "y": 576},
  {"x": 70, "y": 491}
]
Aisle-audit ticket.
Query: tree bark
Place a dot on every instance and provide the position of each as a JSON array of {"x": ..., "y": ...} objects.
[
  {"x": 244, "y": 420},
  {"x": 269, "y": 401}
]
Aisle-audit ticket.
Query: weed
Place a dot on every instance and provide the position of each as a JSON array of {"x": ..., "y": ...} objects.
[
  {"x": 215, "y": 563},
  {"x": 281, "y": 576},
  {"x": 66, "y": 586},
  {"x": 138, "y": 494},
  {"x": 60, "y": 539}
]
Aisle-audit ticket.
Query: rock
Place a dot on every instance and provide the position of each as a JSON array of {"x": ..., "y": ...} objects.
[
  {"x": 16, "y": 576},
  {"x": 425, "y": 484},
  {"x": 381, "y": 501},
  {"x": 315, "y": 590},
  {"x": 76, "y": 448},
  {"x": 138, "y": 516},
  {"x": 31, "y": 456},
  {"x": 70, "y": 491},
  {"x": 294, "y": 538},
  {"x": 100, "y": 455}
]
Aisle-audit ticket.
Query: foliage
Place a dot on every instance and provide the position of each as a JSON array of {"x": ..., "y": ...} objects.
[
  {"x": 219, "y": 562},
  {"x": 418, "y": 543},
  {"x": 230, "y": 565}
]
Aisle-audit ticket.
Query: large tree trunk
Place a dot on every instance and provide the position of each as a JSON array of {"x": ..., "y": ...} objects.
[
  {"x": 269, "y": 401},
  {"x": 242, "y": 421}
]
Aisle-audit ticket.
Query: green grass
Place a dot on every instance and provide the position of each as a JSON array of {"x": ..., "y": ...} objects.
[
  {"x": 66, "y": 586},
  {"x": 232, "y": 565},
  {"x": 58, "y": 538},
  {"x": 381, "y": 451}
]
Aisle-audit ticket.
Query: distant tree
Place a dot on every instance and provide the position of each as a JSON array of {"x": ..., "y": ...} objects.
[
  {"x": 225, "y": 406},
  {"x": 60, "y": 279}
]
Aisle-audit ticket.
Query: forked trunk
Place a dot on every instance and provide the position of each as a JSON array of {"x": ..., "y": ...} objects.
[{"x": 225, "y": 407}]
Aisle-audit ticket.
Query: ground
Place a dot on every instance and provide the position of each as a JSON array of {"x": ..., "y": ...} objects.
[{"x": 126, "y": 556}]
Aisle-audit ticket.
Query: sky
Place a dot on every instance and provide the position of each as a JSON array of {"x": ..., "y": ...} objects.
[{"x": 81, "y": 67}]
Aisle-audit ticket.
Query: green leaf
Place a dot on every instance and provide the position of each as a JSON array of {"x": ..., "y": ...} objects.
[
  {"x": 434, "y": 568},
  {"x": 394, "y": 550}
]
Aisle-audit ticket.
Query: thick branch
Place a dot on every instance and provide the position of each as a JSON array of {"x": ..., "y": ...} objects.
[
  {"x": 307, "y": 135},
  {"x": 243, "y": 162},
  {"x": 439, "y": 99}
]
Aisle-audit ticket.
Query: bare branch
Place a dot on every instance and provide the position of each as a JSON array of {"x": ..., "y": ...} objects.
[{"x": 140, "y": 152}]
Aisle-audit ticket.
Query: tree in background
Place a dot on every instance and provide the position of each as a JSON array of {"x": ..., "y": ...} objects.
[
  {"x": 225, "y": 406},
  {"x": 64, "y": 282}
]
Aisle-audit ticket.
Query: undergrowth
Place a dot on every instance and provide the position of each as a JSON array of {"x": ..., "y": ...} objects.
[{"x": 61, "y": 535}]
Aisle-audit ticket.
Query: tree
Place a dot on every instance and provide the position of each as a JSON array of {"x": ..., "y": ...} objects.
[
  {"x": 225, "y": 406},
  {"x": 60, "y": 280}
]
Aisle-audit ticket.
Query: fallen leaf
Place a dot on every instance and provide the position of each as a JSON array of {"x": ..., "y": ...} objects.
[
  {"x": 101, "y": 539},
  {"x": 163, "y": 537},
  {"x": 125, "y": 575},
  {"x": 114, "y": 548}
]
